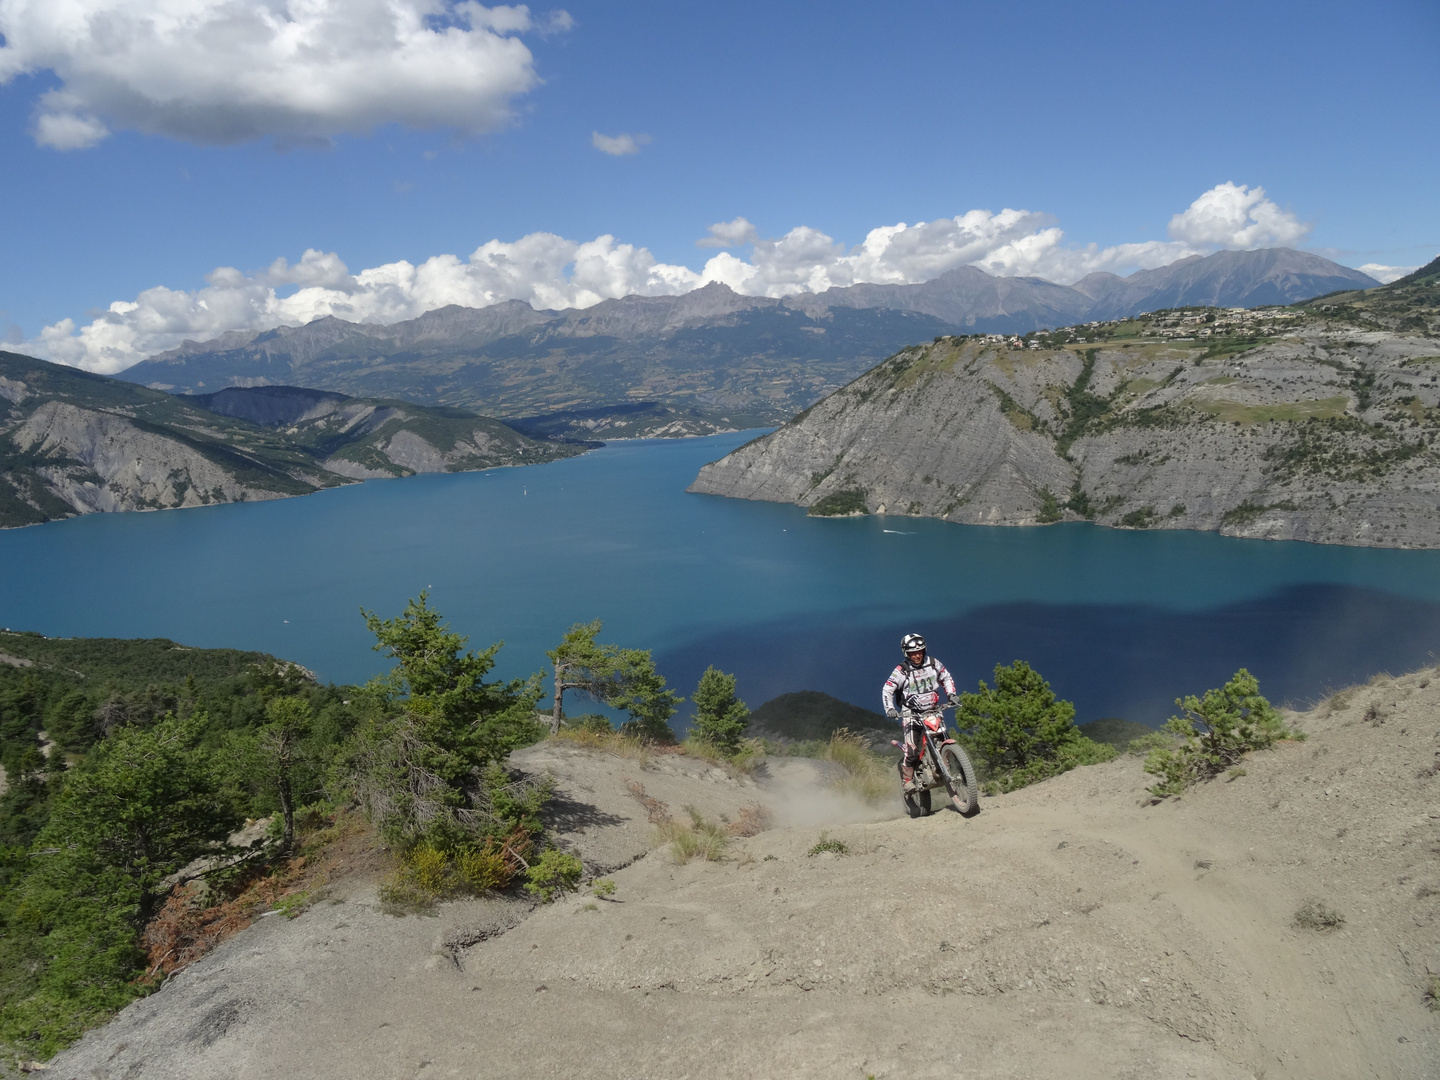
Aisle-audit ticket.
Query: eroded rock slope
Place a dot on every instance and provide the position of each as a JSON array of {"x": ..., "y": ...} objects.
[
  {"x": 1278, "y": 423},
  {"x": 75, "y": 443}
]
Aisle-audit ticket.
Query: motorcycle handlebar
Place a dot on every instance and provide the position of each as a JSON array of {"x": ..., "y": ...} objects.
[{"x": 927, "y": 712}]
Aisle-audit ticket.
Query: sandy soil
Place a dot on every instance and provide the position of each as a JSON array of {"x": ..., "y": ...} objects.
[{"x": 1071, "y": 929}]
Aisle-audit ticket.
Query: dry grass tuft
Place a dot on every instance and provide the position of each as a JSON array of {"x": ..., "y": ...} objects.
[
  {"x": 743, "y": 762},
  {"x": 656, "y": 811},
  {"x": 607, "y": 742},
  {"x": 752, "y": 820},
  {"x": 1313, "y": 915},
  {"x": 867, "y": 774},
  {"x": 699, "y": 838},
  {"x": 1339, "y": 701}
]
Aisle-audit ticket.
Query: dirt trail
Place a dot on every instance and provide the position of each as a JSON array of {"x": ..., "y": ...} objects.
[{"x": 1071, "y": 929}]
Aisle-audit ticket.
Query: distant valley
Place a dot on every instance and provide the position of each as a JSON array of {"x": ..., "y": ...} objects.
[
  {"x": 1316, "y": 422},
  {"x": 706, "y": 361},
  {"x": 76, "y": 443}
]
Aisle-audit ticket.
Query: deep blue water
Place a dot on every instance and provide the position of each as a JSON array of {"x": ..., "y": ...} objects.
[{"x": 1119, "y": 622}]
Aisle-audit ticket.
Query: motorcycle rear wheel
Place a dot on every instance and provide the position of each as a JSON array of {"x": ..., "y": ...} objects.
[{"x": 964, "y": 790}]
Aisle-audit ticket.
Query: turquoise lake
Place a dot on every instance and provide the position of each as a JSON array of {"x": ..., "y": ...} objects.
[{"x": 1120, "y": 622}]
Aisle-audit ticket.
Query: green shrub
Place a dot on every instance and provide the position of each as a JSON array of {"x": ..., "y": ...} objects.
[
  {"x": 1068, "y": 755},
  {"x": 1156, "y": 740},
  {"x": 840, "y": 503},
  {"x": 621, "y": 678},
  {"x": 431, "y": 871},
  {"x": 484, "y": 869},
  {"x": 435, "y": 725},
  {"x": 1215, "y": 733},
  {"x": 1139, "y": 519},
  {"x": 827, "y": 843},
  {"x": 1021, "y": 732},
  {"x": 592, "y": 722},
  {"x": 603, "y": 888},
  {"x": 1049, "y": 508},
  {"x": 554, "y": 875}
]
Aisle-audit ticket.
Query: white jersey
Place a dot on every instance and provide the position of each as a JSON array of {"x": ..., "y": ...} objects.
[{"x": 917, "y": 688}]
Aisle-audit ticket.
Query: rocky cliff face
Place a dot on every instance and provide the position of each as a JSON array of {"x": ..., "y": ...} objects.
[
  {"x": 95, "y": 461},
  {"x": 1276, "y": 424}
]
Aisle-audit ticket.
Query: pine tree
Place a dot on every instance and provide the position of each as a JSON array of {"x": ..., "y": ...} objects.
[
  {"x": 1021, "y": 731},
  {"x": 624, "y": 679},
  {"x": 720, "y": 719},
  {"x": 433, "y": 724}
]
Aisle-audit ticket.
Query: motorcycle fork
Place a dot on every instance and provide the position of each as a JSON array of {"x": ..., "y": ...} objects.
[{"x": 930, "y": 761}]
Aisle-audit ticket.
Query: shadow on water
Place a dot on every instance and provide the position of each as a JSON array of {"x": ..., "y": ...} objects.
[{"x": 1130, "y": 660}]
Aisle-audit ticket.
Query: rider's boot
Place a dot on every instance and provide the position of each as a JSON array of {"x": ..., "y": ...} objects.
[{"x": 907, "y": 777}]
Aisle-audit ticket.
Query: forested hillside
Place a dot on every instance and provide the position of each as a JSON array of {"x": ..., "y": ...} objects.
[{"x": 128, "y": 760}]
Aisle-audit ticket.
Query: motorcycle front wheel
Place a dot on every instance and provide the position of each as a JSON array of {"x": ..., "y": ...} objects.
[
  {"x": 917, "y": 803},
  {"x": 964, "y": 790}
]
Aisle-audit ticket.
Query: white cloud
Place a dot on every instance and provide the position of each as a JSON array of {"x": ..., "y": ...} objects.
[
  {"x": 1386, "y": 274},
  {"x": 68, "y": 131},
  {"x": 556, "y": 22},
  {"x": 726, "y": 234},
  {"x": 618, "y": 145},
  {"x": 549, "y": 271},
  {"x": 1238, "y": 217},
  {"x": 545, "y": 270},
  {"x": 1007, "y": 244},
  {"x": 302, "y": 71}
]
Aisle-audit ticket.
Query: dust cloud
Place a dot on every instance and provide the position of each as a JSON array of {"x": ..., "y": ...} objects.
[{"x": 799, "y": 792}]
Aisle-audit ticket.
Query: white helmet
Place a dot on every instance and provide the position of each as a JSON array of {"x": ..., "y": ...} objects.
[{"x": 912, "y": 643}]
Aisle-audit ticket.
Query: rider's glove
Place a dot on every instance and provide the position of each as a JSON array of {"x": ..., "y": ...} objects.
[{"x": 892, "y": 714}]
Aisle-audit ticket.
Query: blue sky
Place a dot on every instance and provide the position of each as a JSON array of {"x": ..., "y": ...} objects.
[{"x": 155, "y": 160}]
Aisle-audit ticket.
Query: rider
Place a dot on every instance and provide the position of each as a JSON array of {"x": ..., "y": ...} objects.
[{"x": 912, "y": 690}]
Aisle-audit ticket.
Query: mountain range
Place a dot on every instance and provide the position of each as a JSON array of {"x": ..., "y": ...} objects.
[{"x": 707, "y": 360}]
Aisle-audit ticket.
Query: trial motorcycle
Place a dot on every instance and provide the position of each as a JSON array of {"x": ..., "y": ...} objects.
[{"x": 943, "y": 764}]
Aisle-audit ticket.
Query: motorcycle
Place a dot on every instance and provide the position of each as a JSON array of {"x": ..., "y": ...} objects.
[{"x": 943, "y": 763}]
